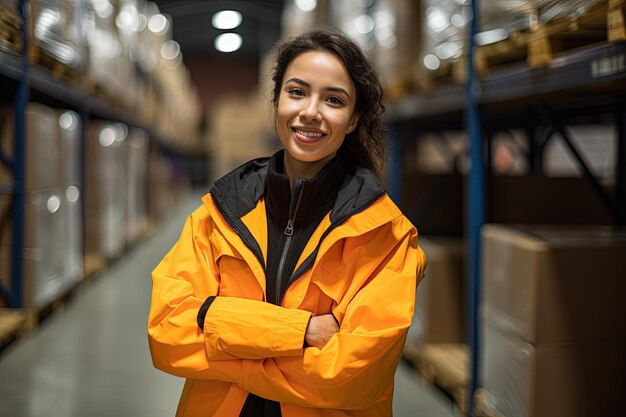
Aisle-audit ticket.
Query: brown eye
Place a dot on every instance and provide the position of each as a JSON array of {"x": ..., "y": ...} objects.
[
  {"x": 296, "y": 92},
  {"x": 335, "y": 100}
]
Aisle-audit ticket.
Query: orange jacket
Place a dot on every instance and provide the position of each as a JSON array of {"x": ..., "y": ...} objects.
[{"x": 362, "y": 264}]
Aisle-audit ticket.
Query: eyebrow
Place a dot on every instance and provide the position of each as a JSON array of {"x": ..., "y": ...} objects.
[{"x": 331, "y": 88}]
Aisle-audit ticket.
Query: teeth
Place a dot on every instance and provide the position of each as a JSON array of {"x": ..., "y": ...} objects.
[{"x": 308, "y": 134}]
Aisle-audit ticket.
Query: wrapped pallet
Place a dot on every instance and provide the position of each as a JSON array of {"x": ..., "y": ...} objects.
[
  {"x": 439, "y": 315},
  {"x": 444, "y": 36},
  {"x": 110, "y": 71},
  {"x": 553, "y": 338},
  {"x": 42, "y": 157},
  {"x": 52, "y": 245},
  {"x": 105, "y": 191},
  {"x": 70, "y": 145},
  {"x": 43, "y": 277},
  {"x": 58, "y": 31},
  {"x": 137, "y": 184}
]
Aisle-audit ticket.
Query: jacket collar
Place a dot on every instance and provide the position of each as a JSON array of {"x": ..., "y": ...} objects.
[
  {"x": 318, "y": 194},
  {"x": 238, "y": 192}
]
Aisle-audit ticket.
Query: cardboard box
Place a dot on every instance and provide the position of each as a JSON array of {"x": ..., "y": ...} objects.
[
  {"x": 439, "y": 315},
  {"x": 50, "y": 249},
  {"x": 42, "y": 156},
  {"x": 41, "y": 217},
  {"x": 137, "y": 184},
  {"x": 551, "y": 379},
  {"x": 70, "y": 145},
  {"x": 555, "y": 284},
  {"x": 105, "y": 189}
]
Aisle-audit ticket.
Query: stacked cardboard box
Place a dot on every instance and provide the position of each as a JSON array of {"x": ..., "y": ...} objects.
[
  {"x": 52, "y": 243},
  {"x": 553, "y": 337},
  {"x": 137, "y": 184},
  {"x": 105, "y": 190},
  {"x": 439, "y": 315}
]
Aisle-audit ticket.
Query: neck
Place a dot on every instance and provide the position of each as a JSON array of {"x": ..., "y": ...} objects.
[{"x": 295, "y": 169}]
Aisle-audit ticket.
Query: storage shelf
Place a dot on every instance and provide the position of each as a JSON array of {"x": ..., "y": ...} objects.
[{"x": 595, "y": 76}]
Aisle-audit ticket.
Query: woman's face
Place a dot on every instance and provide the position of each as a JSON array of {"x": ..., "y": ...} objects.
[{"x": 315, "y": 111}]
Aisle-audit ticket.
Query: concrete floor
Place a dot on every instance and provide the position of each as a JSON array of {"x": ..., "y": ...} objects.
[{"x": 91, "y": 359}]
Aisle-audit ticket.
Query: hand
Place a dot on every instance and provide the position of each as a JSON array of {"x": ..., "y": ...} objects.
[{"x": 320, "y": 330}]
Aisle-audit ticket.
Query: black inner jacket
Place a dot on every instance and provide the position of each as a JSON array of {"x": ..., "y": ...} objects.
[{"x": 334, "y": 188}]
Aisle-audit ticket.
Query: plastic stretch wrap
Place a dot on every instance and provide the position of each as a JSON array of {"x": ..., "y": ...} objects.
[
  {"x": 71, "y": 178},
  {"x": 105, "y": 190},
  {"x": 58, "y": 29},
  {"x": 444, "y": 33},
  {"x": 137, "y": 184},
  {"x": 552, "y": 379},
  {"x": 498, "y": 18}
]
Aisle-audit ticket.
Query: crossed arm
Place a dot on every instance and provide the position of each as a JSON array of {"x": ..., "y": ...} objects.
[{"x": 259, "y": 346}]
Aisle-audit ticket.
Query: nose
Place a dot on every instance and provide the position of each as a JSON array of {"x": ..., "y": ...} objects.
[{"x": 311, "y": 111}]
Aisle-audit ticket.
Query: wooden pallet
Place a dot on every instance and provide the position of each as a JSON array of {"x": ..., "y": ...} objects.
[
  {"x": 93, "y": 265},
  {"x": 542, "y": 42},
  {"x": 482, "y": 406},
  {"x": 450, "y": 72},
  {"x": 10, "y": 30},
  {"x": 59, "y": 70},
  {"x": 35, "y": 315},
  {"x": 11, "y": 325},
  {"x": 444, "y": 365}
]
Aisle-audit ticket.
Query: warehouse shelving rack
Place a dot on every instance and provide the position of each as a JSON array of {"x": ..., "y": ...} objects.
[
  {"x": 22, "y": 82},
  {"x": 587, "y": 84}
]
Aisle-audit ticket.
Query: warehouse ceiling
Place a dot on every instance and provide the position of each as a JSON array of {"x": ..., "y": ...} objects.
[{"x": 193, "y": 29}]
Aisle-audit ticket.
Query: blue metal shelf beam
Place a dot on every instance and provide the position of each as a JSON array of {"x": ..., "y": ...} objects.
[
  {"x": 476, "y": 205},
  {"x": 21, "y": 99}
]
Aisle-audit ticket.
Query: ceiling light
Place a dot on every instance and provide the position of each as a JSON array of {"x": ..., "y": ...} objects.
[
  {"x": 364, "y": 24},
  {"x": 157, "y": 23},
  {"x": 170, "y": 50},
  {"x": 226, "y": 19},
  {"x": 228, "y": 42},
  {"x": 306, "y": 5}
]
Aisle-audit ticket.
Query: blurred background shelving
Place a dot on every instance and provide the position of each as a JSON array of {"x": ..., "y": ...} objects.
[{"x": 508, "y": 154}]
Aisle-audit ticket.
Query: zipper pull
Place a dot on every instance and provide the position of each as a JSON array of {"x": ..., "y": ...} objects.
[{"x": 289, "y": 228}]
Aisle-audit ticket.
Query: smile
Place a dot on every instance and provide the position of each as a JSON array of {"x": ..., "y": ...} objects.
[{"x": 308, "y": 134}]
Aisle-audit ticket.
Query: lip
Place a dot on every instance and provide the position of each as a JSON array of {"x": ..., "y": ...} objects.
[{"x": 307, "y": 139}]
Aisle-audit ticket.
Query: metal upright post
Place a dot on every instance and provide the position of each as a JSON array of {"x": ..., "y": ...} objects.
[
  {"x": 394, "y": 188},
  {"x": 21, "y": 99},
  {"x": 476, "y": 207},
  {"x": 620, "y": 189}
]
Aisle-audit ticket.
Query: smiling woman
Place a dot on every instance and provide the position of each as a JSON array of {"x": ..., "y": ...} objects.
[
  {"x": 291, "y": 289},
  {"x": 314, "y": 113}
]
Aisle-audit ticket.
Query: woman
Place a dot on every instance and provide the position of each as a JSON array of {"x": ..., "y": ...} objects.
[{"x": 291, "y": 288}]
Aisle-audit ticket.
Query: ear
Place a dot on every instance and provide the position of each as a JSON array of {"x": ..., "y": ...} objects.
[{"x": 354, "y": 121}]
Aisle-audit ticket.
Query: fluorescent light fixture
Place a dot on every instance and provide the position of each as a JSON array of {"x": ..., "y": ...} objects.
[
  {"x": 228, "y": 42},
  {"x": 226, "y": 19},
  {"x": 306, "y": 5},
  {"x": 490, "y": 36}
]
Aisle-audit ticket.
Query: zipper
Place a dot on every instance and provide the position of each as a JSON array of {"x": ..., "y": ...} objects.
[
  {"x": 296, "y": 197},
  {"x": 308, "y": 263}
]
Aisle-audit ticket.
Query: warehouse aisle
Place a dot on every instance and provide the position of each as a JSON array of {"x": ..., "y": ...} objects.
[{"x": 92, "y": 359}]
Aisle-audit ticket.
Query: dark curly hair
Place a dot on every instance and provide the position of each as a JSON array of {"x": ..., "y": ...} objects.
[{"x": 365, "y": 146}]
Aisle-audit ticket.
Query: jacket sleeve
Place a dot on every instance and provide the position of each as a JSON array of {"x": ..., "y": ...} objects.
[
  {"x": 234, "y": 328},
  {"x": 355, "y": 370},
  {"x": 180, "y": 284}
]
